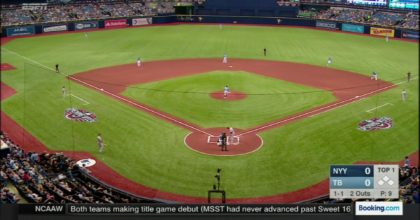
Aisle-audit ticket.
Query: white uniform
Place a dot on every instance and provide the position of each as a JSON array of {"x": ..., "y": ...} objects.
[
  {"x": 226, "y": 91},
  {"x": 329, "y": 61},
  {"x": 64, "y": 91},
  {"x": 231, "y": 135},
  {"x": 225, "y": 59},
  {"x": 101, "y": 144},
  {"x": 404, "y": 95},
  {"x": 374, "y": 76},
  {"x": 138, "y": 62}
]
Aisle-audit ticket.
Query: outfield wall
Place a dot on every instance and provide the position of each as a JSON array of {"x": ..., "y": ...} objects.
[{"x": 275, "y": 21}]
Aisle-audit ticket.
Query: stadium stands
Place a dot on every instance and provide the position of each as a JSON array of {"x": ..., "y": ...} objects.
[
  {"x": 369, "y": 16},
  {"x": 53, "y": 178},
  {"x": 86, "y": 10}
]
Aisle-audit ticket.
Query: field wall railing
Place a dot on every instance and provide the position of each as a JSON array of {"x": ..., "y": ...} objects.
[{"x": 391, "y": 32}]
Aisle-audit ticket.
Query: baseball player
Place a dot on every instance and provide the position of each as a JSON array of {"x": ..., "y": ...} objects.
[
  {"x": 374, "y": 76},
  {"x": 387, "y": 38},
  {"x": 225, "y": 58},
  {"x": 226, "y": 91},
  {"x": 86, "y": 35},
  {"x": 224, "y": 139},
  {"x": 64, "y": 91},
  {"x": 329, "y": 61},
  {"x": 231, "y": 135},
  {"x": 404, "y": 95},
  {"x": 408, "y": 76},
  {"x": 138, "y": 62},
  {"x": 265, "y": 51},
  {"x": 100, "y": 142},
  {"x": 57, "y": 70}
]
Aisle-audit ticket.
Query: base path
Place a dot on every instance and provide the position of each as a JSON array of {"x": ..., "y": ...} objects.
[
  {"x": 346, "y": 86},
  {"x": 6, "y": 66},
  {"x": 114, "y": 82},
  {"x": 207, "y": 144}
]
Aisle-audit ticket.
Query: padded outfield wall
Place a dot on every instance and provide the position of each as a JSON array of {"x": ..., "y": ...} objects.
[{"x": 141, "y": 21}]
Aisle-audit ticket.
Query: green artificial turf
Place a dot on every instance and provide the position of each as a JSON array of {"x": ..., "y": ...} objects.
[
  {"x": 151, "y": 151},
  {"x": 268, "y": 99}
]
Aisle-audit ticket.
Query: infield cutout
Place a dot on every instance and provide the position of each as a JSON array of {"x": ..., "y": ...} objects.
[
  {"x": 231, "y": 96},
  {"x": 237, "y": 145}
]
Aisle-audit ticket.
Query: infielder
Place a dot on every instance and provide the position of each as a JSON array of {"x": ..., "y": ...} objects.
[
  {"x": 138, "y": 62},
  {"x": 374, "y": 76},
  {"x": 100, "y": 142},
  {"x": 226, "y": 91},
  {"x": 404, "y": 95},
  {"x": 225, "y": 58},
  {"x": 408, "y": 76}
]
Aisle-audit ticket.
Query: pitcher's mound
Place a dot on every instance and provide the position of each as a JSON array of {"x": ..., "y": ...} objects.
[{"x": 232, "y": 96}]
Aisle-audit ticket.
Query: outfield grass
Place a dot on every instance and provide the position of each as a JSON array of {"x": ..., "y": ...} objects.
[
  {"x": 151, "y": 151},
  {"x": 268, "y": 99}
]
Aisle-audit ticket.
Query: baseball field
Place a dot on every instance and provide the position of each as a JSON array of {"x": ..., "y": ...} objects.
[{"x": 294, "y": 116}]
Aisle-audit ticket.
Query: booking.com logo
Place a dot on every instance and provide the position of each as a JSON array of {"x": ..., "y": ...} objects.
[{"x": 379, "y": 208}]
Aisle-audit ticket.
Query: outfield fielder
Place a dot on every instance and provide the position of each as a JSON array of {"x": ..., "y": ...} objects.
[
  {"x": 226, "y": 91},
  {"x": 100, "y": 142}
]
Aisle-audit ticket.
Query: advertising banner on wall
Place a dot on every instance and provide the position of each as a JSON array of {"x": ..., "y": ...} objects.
[
  {"x": 326, "y": 25},
  {"x": 382, "y": 32},
  {"x": 141, "y": 21},
  {"x": 353, "y": 28},
  {"x": 116, "y": 23},
  {"x": 19, "y": 31},
  {"x": 410, "y": 34},
  {"x": 86, "y": 25},
  {"x": 54, "y": 28}
]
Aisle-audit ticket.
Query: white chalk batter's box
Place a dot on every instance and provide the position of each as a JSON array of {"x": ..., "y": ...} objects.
[{"x": 215, "y": 140}]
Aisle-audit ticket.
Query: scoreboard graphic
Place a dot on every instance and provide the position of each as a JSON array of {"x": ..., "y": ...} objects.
[{"x": 364, "y": 181}]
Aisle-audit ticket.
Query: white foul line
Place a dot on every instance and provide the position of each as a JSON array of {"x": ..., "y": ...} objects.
[
  {"x": 369, "y": 111},
  {"x": 77, "y": 97},
  {"x": 328, "y": 107},
  {"x": 113, "y": 95},
  {"x": 351, "y": 100}
]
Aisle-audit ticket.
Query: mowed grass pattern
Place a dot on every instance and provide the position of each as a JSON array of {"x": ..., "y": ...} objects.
[
  {"x": 151, "y": 151},
  {"x": 268, "y": 99}
]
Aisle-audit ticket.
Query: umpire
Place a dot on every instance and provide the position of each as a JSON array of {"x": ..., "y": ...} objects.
[{"x": 224, "y": 142}]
